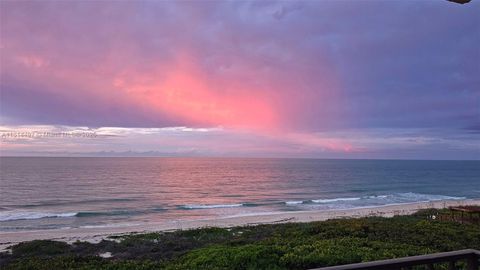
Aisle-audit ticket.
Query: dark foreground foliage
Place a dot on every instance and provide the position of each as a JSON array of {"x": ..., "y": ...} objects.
[{"x": 280, "y": 246}]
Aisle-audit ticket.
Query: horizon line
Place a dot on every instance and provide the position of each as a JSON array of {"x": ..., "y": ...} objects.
[{"x": 243, "y": 157}]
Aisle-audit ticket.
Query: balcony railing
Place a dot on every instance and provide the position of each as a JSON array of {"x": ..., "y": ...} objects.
[{"x": 469, "y": 256}]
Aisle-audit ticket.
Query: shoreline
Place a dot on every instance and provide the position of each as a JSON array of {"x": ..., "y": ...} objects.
[{"x": 96, "y": 234}]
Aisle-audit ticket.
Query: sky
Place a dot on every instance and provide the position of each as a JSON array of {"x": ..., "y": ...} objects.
[{"x": 309, "y": 79}]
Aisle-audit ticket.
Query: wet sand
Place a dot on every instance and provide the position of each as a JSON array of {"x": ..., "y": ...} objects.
[{"x": 96, "y": 234}]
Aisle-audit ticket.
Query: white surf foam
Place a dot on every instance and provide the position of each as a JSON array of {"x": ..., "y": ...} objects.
[
  {"x": 293, "y": 202},
  {"x": 376, "y": 197},
  {"x": 336, "y": 200},
  {"x": 20, "y": 215},
  {"x": 419, "y": 197},
  {"x": 373, "y": 200},
  {"x": 210, "y": 206}
]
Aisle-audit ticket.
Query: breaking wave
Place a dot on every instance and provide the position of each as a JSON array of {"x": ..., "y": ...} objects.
[
  {"x": 408, "y": 197},
  {"x": 14, "y": 215}
]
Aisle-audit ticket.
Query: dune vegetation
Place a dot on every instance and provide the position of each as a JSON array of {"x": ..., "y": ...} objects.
[{"x": 278, "y": 246}]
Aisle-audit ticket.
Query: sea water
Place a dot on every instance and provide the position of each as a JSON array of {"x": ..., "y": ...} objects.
[{"x": 52, "y": 193}]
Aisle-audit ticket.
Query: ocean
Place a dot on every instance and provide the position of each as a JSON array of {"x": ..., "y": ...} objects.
[{"x": 53, "y": 193}]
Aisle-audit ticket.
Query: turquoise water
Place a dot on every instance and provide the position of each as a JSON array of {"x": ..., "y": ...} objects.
[{"x": 52, "y": 193}]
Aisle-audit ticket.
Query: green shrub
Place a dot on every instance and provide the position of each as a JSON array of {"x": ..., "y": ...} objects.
[
  {"x": 228, "y": 257},
  {"x": 40, "y": 248},
  {"x": 279, "y": 246}
]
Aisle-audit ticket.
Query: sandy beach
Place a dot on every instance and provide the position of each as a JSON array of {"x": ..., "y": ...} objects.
[{"x": 96, "y": 234}]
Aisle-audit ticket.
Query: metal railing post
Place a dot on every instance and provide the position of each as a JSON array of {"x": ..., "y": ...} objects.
[{"x": 472, "y": 262}]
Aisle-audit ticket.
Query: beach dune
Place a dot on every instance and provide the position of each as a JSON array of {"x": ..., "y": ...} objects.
[{"x": 96, "y": 234}]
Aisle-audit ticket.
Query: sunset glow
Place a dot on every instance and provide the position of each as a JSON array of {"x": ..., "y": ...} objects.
[
  {"x": 185, "y": 93},
  {"x": 312, "y": 79}
]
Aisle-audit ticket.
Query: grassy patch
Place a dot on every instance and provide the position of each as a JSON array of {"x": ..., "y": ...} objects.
[{"x": 279, "y": 246}]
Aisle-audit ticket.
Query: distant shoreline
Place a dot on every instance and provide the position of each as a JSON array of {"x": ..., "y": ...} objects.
[{"x": 96, "y": 234}]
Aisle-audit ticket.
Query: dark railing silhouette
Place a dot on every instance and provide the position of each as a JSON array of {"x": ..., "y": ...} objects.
[{"x": 469, "y": 256}]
